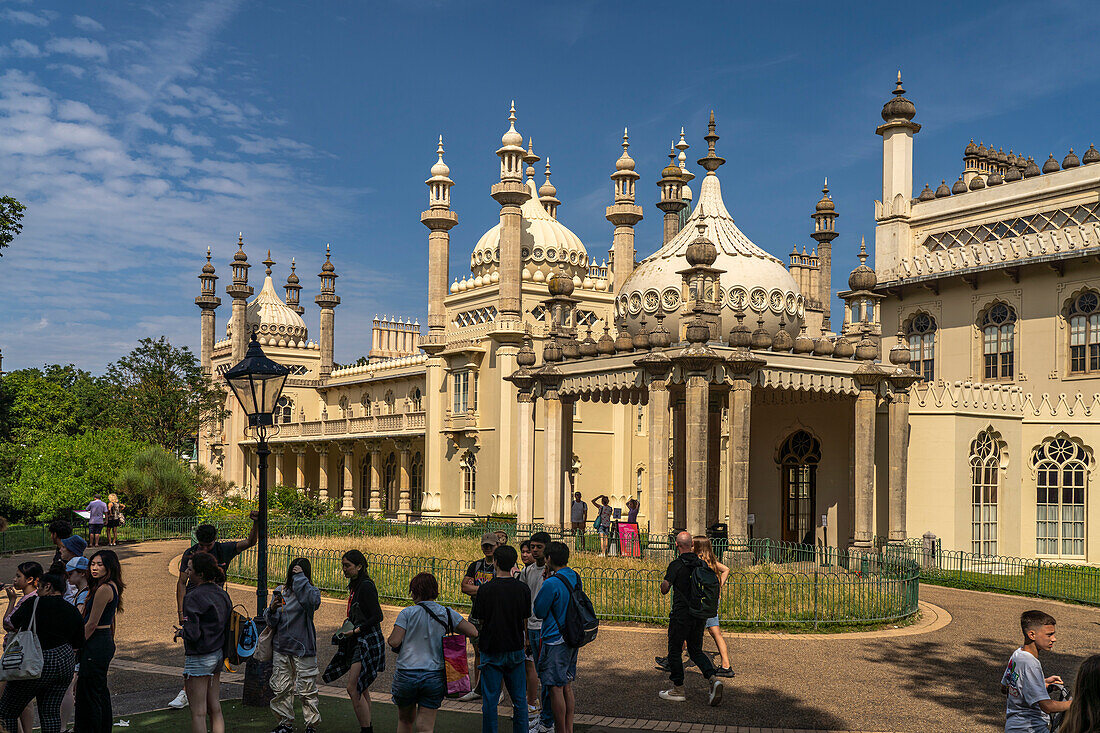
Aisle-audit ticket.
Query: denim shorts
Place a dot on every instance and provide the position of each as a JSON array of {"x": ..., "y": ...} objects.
[
  {"x": 202, "y": 665},
  {"x": 423, "y": 687},
  {"x": 711, "y": 623},
  {"x": 557, "y": 665}
]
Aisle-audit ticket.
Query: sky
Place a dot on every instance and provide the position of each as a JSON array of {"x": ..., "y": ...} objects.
[{"x": 140, "y": 133}]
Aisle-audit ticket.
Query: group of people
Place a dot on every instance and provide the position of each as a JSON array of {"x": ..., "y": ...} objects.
[
  {"x": 578, "y": 517},
  {"x": 71, "y": 608},
  {"x": 104, "y": 515}
]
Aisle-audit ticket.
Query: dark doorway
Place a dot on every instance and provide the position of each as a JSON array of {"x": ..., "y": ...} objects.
[{"x": 798, "y": 459}]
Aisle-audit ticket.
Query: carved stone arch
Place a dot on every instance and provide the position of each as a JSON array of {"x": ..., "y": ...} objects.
[
  {"x": 999, "y": 441},
  {"x": 786, "y": 432},
  {"x": 908, "y": 317},
  {"x": 1041, "y": 450},
  {"x": 1067, "y": 304},
  {"x": 980, "y": 318}
]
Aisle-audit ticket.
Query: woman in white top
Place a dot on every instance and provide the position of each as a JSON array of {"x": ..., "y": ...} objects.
[{"x": 419, "y": 683}]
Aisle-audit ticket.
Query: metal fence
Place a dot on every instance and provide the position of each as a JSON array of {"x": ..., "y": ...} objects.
[{"x": 773, "y": 583}]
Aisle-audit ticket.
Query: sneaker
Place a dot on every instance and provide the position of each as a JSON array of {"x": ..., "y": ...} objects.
[
  {"x": 532, "y": 710},
  {"x": 672, "y": 694},
  {"x": 180, "y": 701},
  {"x": 470, "y": 696},
  {"x": 715, "y": 693},
  {"x": 310, "y": 729},
  {"x": 723, "y": 672},
  {"x": 285, "y": 728}
]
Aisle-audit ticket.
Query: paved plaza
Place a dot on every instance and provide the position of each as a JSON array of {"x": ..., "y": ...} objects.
[{"x": 943, "y": 679}]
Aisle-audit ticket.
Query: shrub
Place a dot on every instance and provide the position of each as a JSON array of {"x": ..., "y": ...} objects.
[{"x": 158, "y": 485}]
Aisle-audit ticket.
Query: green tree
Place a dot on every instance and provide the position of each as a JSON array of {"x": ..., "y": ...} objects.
[
  {"x": 162, "y": 394},
  {"x": 55, "y": 399},
  {"x": 62, "y": 472},
  {"x": 158, "y": 485},
  {"x": 11, "y": 221}
]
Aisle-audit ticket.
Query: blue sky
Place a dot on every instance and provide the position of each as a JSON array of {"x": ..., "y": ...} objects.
[{"x": 140, "y": 133}]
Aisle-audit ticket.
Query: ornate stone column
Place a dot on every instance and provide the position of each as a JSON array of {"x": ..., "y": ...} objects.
[
  {"x": 697, "y": 361},
  {"x": 898, "y": 417},
  {"x": 525, "y": 436},
  {"x": 868, "y": 376},
  {"x": 404, "y": 505},
  {"x": 740, "y": 366},
  {"x": 657, "y": 367},
  {"x": 347, "y": 503},
  {"x": 299, "y": 465},
  {"x": 552, "y": 433},
  {"x": 322, "y": 471},
  {"x": 375, "y": 508},
  {"x": 280, "y": 464}
]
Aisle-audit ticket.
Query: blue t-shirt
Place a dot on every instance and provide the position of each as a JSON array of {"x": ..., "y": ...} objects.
[
  {"x": 1026, "y": 688},
  {"x": 422, "y": 647},
  {"x": 551, "y": 602},
  {"x": 98, "y": 510}
]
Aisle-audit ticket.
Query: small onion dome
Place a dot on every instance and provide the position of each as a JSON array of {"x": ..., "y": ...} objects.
[
  {"x": 1011, "y": 159},
  {"x": 560, "y": 284},
  {"x": 863, "y": 277},
  {"x": 1032, "y": 168},
  {"x": 994, "y": 179},
  {"x": 899, "y": 107},
  {"x": 208, "y": 269},
  {"x": 1013, "y": 174},
  {"x": 1092, "y": 155},
  {"x": 1070, "y": 161},
  {"x": 899, "y": 353},
  {"x": 671, "y": 170},
  {"x": 588, "y": 345},
  {"x": 826, "y": 203},
  {"x": 551, "y": 351},
  {"x": 623, "y": 341},
  {"x": 926, "y": 194},
  {"x": 823, "y": 347},
  {"x": 547, "y": 189},
  {"x": 977, "y": 183},
  {"x": 292, "y": 278},
  {"x": 239, "y": 255},
  {"x": 570, "y": 348},
  {"x": 740, "y": 335},
  {"x": 512, "y": 138},
  {"x": 943, "y": 191},
  {"x": 982, "y": 152},
  {"x": 660, "y": 338},
  {"x": 1051, "y": 166},
  {"x": 971, "y": 149},
  {"x": 697, "y": 331},
  {"x": 761, "y": 339},
  {"x": 641, "y": 338},
  {"x": 866, "y": 349},
  {"x": 525, "y": 357},
  {"x": 803, "y": 344},
  {"x": 701, "y": 251},
  {"x": 606, "y": 345},
  {"x": 782, "y": 340},
  {"x": 328, "y": 266},
  {"x": 959, "y": 187},
  {"x": 843, "y": 348}
]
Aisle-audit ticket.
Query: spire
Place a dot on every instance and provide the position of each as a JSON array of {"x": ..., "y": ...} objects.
[
  {"x": 547, "y": 192},
  {"x": 293, "y": 289},
  {"x": 268, "y": 264},
  {"x": 683, "y": 146},
  {"x": 511, "y": 151},
  {"x": 439, "y": 187},
  {"x": 862, "y": 239},
  {"x": 530, "y": 158},
  {"x": 712, "y": 162}
]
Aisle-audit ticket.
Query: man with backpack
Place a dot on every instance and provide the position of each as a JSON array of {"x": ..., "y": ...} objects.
[
  {"x": 565, "y": 612},
  {"x": 694, "y": 589}
]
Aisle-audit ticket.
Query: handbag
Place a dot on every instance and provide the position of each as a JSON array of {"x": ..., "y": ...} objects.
[
  {"x": 263, "y": 651},
  {"x": 22, "y": 657},
  {"x": 456, "y": 668}
]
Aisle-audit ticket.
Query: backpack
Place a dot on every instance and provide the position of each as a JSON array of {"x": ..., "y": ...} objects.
[
  {"x": 705, "y": 588},
  {"x": 1059, "y": 693},
  {"x": 580, "y": 625},
  {"x": 241, "y": 637}
]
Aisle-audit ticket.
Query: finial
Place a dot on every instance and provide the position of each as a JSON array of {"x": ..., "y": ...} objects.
[
  {"x": 626, "y": 139},
  {"x": 268, "y": 263},
  {"x": 825, "y": 188},
  {"x": 548, "y": 167},
  {"x": 240, "y": 239},
  {"x": 862, "y": 250},
  {"x": 208, "y": 254},
  {"x": 439, "y": 150},
  {"x": 897, "y": 89},
  {"x": 712, "y": 162},
  {"x": 328, "y": 250}
]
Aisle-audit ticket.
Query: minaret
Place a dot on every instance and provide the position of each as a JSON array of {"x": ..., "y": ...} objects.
[
  {"x": 240, "y": 292},
  {"x": 624, "y": 214},
  {"x": 510, "y": 193},
  {"x": 671, "y": 201},
  {"x": 439, "y": 219},
  {"x": 892, "y": 234},
  {"x": 293, "y": 290},
  {"x": 208, "y": 302},
  {"x": 824, "y": 233},
  {"x": 687, "y": 175},
  {"x": 548, "y": 195},
  {"x": 529, "y": 159},
  {"x": 327, "y": 299}
]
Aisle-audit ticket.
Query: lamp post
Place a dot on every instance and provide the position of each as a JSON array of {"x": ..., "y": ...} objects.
[{"x": 257, "y": 382}]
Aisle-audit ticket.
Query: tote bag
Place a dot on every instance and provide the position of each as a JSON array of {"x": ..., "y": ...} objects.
[
  {"x": 456, "y": 670},
  {"x": 22, "y": 658}
]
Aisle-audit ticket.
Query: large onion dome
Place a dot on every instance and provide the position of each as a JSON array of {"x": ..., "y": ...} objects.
[{"x": 275, "y": 322}]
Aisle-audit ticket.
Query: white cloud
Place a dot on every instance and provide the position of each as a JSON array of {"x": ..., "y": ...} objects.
[
  {"x": 24, "y": 49},
  {"x": 79, "y": 112},
  {"x": 77, "y": 71},
  {"x": 145, "y": 122},
  {"x": 84, "y": 23},
  {"x": 84, "y": 48},
  {"x": 27, "y": 17},
  {"x": 185, "y": 137},
  {"x": 259, "y": 145}
]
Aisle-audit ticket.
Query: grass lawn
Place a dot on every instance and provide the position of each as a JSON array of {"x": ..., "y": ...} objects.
[{"x": 335, "y": 715}]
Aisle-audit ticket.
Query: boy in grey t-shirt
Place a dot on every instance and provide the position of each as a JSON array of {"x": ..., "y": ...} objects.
[{"x": 1029, "y": 705}]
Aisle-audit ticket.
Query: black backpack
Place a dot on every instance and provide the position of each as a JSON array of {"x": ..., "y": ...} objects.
[
  {"x": 705, "y": 588},
  {"x": 580, "y": 625}
]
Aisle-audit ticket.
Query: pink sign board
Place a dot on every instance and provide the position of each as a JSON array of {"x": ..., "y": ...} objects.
[{"x": 629, "y": 541}]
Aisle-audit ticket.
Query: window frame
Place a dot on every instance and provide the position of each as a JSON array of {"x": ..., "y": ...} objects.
[
  {"x": 985, "y": 474},
  {"x": 1054, "y": 460},
  {"x": 468, "y": 470},
  {"x": 920, "y": 334},
  {"x": 997, "y": 328},
  {"x": 1083, "y": 324}
]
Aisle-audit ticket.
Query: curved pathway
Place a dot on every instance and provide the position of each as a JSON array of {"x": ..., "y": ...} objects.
[{"x": 943, "y": 676}]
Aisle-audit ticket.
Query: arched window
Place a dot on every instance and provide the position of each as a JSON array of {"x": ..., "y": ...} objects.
[
  {"x": 389, "y": 473},
  {"x": 416, "y": 479},
  {"x": 344, "y": 405},
  {"x": 469, "y": 483},
  {"x": 1084, "y": 333},
  {"x": 367, "y": 405},
  {"x": 389, "y": 402},
  {"x": 985, "y": 465},
  {"x": 798, "y": 458},
  {"x": 364, "y": 483},
  {"x": 1061, "y": 468},
  {"x": 284, "y": 410},
  {"x": 639, "y": 485},
  {"x": 998, "y": 324},
  {"x": 416, "y": 399},
  {"x": 921, "y": 332},
  {"x": 640, "y": 426}
]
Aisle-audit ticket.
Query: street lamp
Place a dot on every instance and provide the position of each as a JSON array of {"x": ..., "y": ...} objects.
[{"x": 257, "y": 382}]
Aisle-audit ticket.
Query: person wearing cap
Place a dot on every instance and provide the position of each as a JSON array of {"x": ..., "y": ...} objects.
[
  {"x": 76, "y": 571},
  {"x": 480, "y": 572},
  {"x": 72, "y": 547}
]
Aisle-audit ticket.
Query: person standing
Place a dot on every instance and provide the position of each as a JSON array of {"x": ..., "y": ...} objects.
[
  {"x": 206, "y": 611},
  {"x": 419, "y": 682},
  {"x": 503, "y": 607},
  {"x": 93, "y": 698},
  {"x": 479, "y": 573},
  {"x": 114, "y": 518},
  {"x": 1083, "y": 715},
  {"x": 206, "y": 536},
  {"x": 97, "y": 516},
  {"x": 1028, "y": 707},
  {"x": 72, "y": 546},
  {"x": 361, "y": 651},
  {"x": 578, "y": 516},
  {"x": 557, "y": 663},
  {"x": 59, "y": 530},
  {"x": 603, "y": 521},
  {"x": 60, "y": 629},
  {"x": 294, "y": 647},
  {"x": 26, "y": 578},
  {"x": 632, "y": 511},
  {"x": 683, "y": 627},
  {"x": 533, "y": 575},
  {"x": 76, "y": 571}
]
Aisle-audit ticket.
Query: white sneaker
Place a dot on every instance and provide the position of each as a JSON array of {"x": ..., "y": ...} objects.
[
  {"x": 715, "y": 693},
  {"x": 470, "y": 696},
  {"x": 672, "y": 695},
  {"x": 180, "y": 702}
]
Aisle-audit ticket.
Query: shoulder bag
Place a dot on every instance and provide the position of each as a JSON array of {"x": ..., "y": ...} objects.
[
  {"x": 456, "y": 669},
  {"x": 22, "y": 658}
]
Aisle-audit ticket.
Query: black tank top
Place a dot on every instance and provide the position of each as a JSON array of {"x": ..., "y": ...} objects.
[{"x": 108, "y": 615}]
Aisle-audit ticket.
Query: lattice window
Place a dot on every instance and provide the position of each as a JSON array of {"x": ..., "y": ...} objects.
[
  {"x": 540, "y": 312},
  {"x": 298, "y": 370},
  {"x": 284, "y": 410},
  {"x": 475, "y": 317},
  {"x": 416, "y": 480},
  {"x": 416, "y": 399},
  {"x": 1062, "y": 469},
  {"x": 469, "y": 483},
  {"x": 985, "y": 465},
  {"x": 921, "y": 332},
  {"x": 798, "y": 459},
  {"x": 365, "y": 483},
  {"x": 998, "y": 324},
  {"x": 1044, "y": 221},
  {"x": 389, "y": 474},
  {"x": 583, "y": 317},
  {"x": 1084, "y": 333}
]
